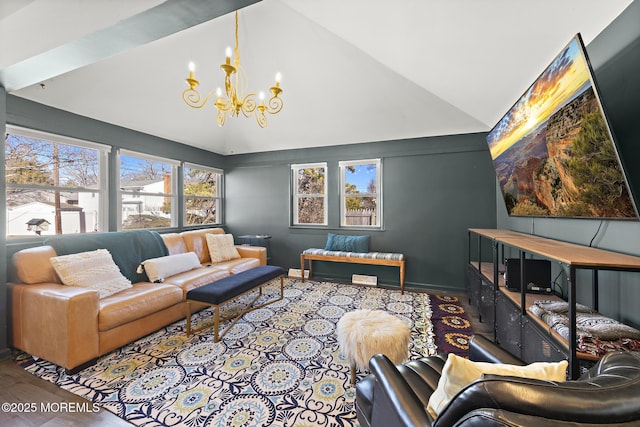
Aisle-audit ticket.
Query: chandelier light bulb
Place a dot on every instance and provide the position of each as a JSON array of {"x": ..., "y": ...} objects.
[
  {"x": 278, "y": 77},
  {"x": 192, "y": 66},
  {"x": 219, "y": 91},
  {"x": 227, "y": 53},
  {"x": 261, "y": 96}
]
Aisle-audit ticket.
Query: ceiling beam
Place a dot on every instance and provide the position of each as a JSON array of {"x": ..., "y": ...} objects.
[{"x": 160, "y": 21}]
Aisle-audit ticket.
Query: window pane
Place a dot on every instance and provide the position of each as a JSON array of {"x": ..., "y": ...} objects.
[
  {"x": 361, "y": 195},
  {"x": 309, "y": 204},
  {"x": 140, "y": 180},
  {"x": 33, "y": 212},
  {"x": 361, "y": 211},
  {"x": 40, "y": 162},
  {"x": 201, "y": 211},
  {"x": 311, "y": 181},
  {"x": 144, "y": 175},
  {"x": 311, "y": 210},
  {"x": 139, "y": 211},
  {"x": 360, "y": 178},
  {"x": 46, "y": 180},
  {"x": 200, "y": 182}
]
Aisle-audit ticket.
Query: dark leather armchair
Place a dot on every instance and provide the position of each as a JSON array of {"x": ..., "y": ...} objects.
[{"x": 608, "y": 394}]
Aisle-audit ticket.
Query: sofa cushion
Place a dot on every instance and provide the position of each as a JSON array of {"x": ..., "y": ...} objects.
[
  {"x": 196, "y": 241},
  {"x": 237, "y": 265},
  {"x": 221, "y": 248},
  {"x": 32, "y": 265},
  {"x": 175, "y": 243},
  {"x": 458, "y": 372},
  {"x": 195, "y": 278},
  {"x": 94, "y": 270},
  {"x": 158, "y": 269},
  {"x": 136, "y": 302},
  {"x": 128, "y": 248}
]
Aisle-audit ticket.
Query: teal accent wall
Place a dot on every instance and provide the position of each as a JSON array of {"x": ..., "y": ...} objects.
[
  {"x": 433, "y": 190},
  {"x": 615, "y": 59}
]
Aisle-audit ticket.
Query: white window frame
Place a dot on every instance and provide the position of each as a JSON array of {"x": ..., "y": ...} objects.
[
  {"x": 174, "y": 184},
  {"x": 102, "y": 190},
  {"x": 219, "y": 191},
  {"x": 295, "y": 196},
  {"x": 377, "y": 195}
]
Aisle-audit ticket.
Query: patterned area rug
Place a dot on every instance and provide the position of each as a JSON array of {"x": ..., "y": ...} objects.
[
  {"x": 279, "y": 365},
  {"x": 451, "y": 325}
]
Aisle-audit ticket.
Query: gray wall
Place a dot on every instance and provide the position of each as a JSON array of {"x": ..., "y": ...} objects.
[
  {"x": 433, "y": 190},
  {"x": 615, "y": 58}
]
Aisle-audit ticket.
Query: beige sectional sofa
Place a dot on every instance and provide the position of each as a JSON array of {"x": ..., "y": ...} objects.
[{"x": 71, "y": 326}]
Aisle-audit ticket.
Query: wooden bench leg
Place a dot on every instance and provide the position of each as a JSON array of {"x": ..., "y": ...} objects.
[
  {"x": 216, "y": 323},
  {"x": 188, "y": 318},
  {"x": 402, "y": 278}
]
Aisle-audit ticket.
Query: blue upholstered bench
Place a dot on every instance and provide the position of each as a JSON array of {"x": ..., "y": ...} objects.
[
  {"x": 221, "y": 291},
  {"x": 376, "y": 258}
]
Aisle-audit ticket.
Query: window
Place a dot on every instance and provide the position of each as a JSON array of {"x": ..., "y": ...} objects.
[
  {"x": 309, "y": 189},
  {"x": 361, "y": 189},
  {"x": 55, "y": 184},
  {"x": 202, "y": 195},
  {"x": 147, "y": 191}
]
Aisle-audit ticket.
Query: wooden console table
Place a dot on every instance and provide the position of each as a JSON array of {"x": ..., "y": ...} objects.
[{"x": 571, "y": 257}]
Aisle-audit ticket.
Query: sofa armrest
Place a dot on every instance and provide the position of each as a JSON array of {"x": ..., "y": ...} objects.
[
  {"x": 55, "y": 322},
  {"x": 259, "y": 252},
  {"x": 395, "y": 402},
  {"x": 482, "y": 349}
]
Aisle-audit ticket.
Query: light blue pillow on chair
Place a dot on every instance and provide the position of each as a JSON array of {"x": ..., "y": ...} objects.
[{"x": 345, "y": 243}]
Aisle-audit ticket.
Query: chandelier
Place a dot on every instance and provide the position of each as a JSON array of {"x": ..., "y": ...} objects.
[{"x": 235, "y": 98}]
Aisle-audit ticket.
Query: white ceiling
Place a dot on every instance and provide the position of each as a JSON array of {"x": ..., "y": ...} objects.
[{"x": 353, "y": 70}]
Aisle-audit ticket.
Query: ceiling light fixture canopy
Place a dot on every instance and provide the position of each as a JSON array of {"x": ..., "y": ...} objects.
[{"x": 233, "y": 100}]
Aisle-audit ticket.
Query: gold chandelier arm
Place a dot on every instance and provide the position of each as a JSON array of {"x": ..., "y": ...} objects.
[
  {"x": 249, "y": 105},
  {"x": 223, "y": 104},
  {"x": 260, "y": 117},
  {"x": 275, "y": 105},
  {"x": 222, "y": 116},
  {"x": 192, "y": 97}
]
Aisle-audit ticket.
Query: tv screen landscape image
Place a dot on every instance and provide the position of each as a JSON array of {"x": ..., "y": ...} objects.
[{"x": 553, "y": 151}]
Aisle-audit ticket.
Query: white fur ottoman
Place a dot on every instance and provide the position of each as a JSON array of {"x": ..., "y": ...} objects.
[{"x": 365, "y": 333}]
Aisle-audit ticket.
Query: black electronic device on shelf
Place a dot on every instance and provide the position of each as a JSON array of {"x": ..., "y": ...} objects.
[{"x": 537, "y": 275}]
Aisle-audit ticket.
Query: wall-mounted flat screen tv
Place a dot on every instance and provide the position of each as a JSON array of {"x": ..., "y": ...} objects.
[{"x": 554, "y": 153}]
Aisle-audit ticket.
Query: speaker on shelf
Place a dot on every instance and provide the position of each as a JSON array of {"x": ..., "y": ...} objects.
[{"x": 537, "y": 275}]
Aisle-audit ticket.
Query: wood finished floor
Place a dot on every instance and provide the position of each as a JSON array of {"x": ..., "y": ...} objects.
[{"x": 19, "y": 386}]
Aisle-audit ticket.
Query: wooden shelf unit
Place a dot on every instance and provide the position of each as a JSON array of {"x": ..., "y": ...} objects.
[{"x": 569, "y": 256}]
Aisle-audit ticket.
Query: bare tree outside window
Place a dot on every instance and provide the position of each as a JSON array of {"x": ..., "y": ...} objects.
[
  {"x": 201, "y": 195},
  {"x": 310, "y": 194},
  {"x": 51, "y": 182}
]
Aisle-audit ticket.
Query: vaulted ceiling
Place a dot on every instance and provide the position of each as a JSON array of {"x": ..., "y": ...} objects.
[{"x": 353, "y": 70}]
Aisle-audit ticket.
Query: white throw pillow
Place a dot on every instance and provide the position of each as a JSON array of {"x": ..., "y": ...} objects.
[
  {"x": 94, "y": 270},
  {"x": 221, "y": 247},
  {"x": 158, "y": 269},
  {"x": 458, "y": 372}
]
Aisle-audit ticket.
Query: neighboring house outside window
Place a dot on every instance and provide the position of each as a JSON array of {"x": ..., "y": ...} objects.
[
  {"x": 309, "y": 191},
  {"x": 361, "y": 193},
  {"x": 147, "y": 188},
  {"x": 202, "y": 191},
  {"x": 55, "y": 184}
]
